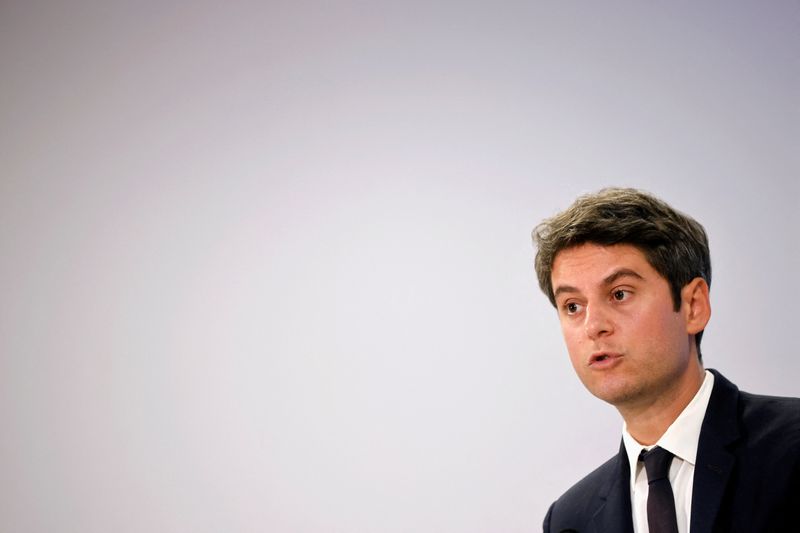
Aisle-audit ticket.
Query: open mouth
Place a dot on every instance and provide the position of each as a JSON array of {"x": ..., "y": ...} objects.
[{"x": 600, "y": 357}]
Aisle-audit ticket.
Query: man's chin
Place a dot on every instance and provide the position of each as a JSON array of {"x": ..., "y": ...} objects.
[{"x": 614, "y": 392}]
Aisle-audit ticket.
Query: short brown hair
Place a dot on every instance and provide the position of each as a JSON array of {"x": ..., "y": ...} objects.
[{"x": 674, "y": 244}]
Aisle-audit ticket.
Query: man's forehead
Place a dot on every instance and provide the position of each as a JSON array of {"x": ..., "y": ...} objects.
[{"x": 595, "y": 263}]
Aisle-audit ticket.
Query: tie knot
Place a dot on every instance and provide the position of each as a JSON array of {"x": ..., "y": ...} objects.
[{"x": 656, "y": 463}]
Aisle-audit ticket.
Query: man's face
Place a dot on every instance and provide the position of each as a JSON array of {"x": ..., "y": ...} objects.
[{"x": 626, "y": 342}]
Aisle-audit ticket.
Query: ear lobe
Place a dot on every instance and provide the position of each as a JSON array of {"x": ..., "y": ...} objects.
[{"x": 696, "y": 305}]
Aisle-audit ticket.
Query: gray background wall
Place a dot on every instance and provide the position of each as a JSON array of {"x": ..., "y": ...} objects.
[{"x": 265, "y": 266}]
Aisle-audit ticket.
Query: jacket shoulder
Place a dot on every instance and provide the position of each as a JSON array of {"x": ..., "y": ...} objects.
[
  {"x": 783, "y": 409},
  {"x": 770, "y": 420},
  {"x": 756, "y": 418},
  {"x": 579, "y": 503}
]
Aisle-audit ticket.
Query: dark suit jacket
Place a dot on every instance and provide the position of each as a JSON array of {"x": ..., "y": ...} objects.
[{"x": 746, "y": 478}]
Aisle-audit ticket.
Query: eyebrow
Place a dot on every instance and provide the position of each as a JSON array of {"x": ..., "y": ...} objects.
[
  {"x": 608, "y": 280},
  {"x": 621, "y": 273},
  {"x": 564, "y": 288}
]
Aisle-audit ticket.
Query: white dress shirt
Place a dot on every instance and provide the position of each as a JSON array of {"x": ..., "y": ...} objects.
[{"x": 681, "y": 439}]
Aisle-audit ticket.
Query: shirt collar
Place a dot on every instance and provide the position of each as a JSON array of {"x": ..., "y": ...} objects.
[{"x": 683, "y": 435}]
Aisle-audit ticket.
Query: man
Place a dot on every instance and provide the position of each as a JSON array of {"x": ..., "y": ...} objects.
[{"x": 629, "y": 276}]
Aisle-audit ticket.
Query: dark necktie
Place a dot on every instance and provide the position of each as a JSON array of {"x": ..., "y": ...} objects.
[{"x": 660, "y": 502}]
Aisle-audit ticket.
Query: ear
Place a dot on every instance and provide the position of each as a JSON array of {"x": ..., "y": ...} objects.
[{"x": 696, "y": 305}]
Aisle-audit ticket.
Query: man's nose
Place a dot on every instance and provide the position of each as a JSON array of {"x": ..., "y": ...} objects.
[{"x": 598, "y": 323}]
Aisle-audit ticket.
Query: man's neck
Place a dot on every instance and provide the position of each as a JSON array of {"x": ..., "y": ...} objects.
[{"x": 648, "y": 420}]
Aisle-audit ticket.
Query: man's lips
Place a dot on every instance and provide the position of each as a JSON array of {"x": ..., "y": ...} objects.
[{"x": 601, "y": 358}]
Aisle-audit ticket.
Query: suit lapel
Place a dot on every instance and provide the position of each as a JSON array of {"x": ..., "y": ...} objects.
[
  {"x": 714, "y": 462},
  {"x": 614, "y": 513}
]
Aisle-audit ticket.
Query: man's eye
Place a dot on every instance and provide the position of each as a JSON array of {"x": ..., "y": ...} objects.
[
  {"x": 620, "y": 295},
  {"x": 571, "y": 308}
]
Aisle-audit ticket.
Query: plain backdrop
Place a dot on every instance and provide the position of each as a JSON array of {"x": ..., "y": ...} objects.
[{"x": 266, "y": 266}]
